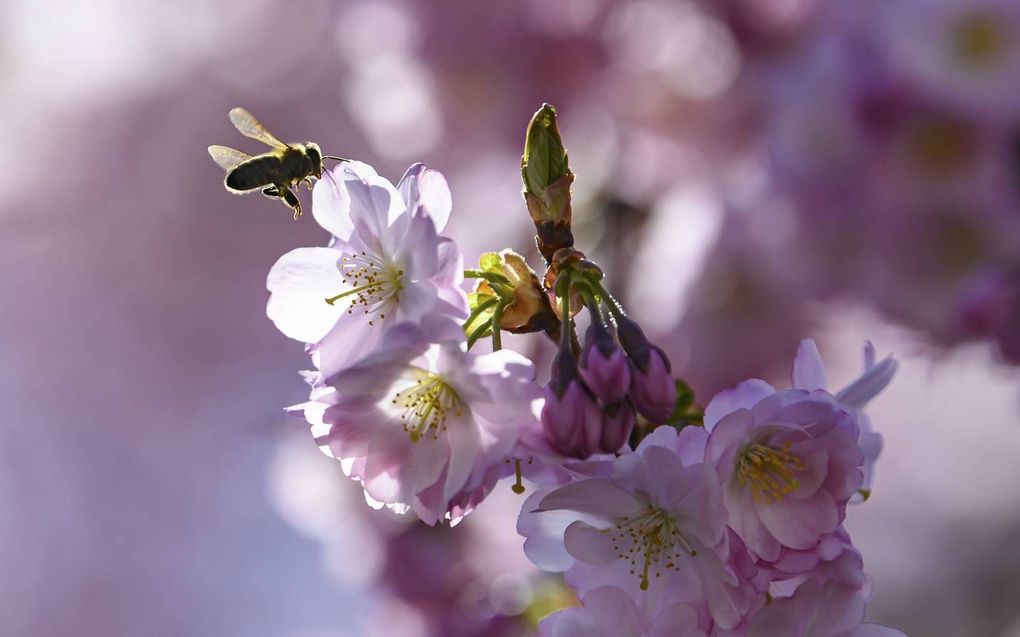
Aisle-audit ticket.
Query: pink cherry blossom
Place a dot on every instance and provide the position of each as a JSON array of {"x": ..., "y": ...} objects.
[
  {"x": 809, "y": 373},
  {"x": 385, "y": 264},
  {"x": 789, "y": 462},
  {"x": 651, "y": 526},
  {"x": 423, "y": 424}
]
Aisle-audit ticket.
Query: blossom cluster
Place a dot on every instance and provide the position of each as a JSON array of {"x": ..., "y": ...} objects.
[
  {"x": 664, "y": 519},
  {"x": 910, "y": 99}
]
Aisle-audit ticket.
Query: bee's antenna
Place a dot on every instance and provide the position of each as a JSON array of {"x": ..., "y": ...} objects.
[{"x": 335, "y": 157}]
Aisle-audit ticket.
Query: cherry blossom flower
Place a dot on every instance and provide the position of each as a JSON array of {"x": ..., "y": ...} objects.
[
  {"x": 651, "y": 526},
  {"x": 789, "y": 463},
  {"x": 385, "y": 264},
  {"x": 791, "y": 460},
  {"x": 421, "y": 423},
  {"x": 809, "y": 374}
]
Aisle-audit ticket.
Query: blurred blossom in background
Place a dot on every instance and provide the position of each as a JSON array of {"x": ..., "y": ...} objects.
[{"x": 752, "y": 171}]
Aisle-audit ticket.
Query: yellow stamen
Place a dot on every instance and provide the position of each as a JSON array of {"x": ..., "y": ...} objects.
[
  {"x": 427, "y": 404},
  {"x": 653, "y": 538},
  {"x": 518, "y": 487},
  {"x": 374, "y": 282},
  {"x": 768, "y": 471}
]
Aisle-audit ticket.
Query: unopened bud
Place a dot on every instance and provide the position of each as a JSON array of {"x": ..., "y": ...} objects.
[
  {"x": 653, "y": 388},
  {"x": 604, "y": 365},
  {"x": 529, "y": 309},
  {"x": 547, "y": 179},
  {"x": 617, "y": 424},
  {"x": 571, "y": 416}
]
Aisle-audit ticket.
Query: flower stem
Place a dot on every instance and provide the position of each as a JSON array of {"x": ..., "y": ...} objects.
[
  {"x": 566, "y": 325},
  {"x": 493, "y": 277},
  {"x": 497, "y": 315},
  {"x": 614, "y": 306}
]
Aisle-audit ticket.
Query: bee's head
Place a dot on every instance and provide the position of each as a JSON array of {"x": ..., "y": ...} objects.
[{"x": 315, "y": 154}]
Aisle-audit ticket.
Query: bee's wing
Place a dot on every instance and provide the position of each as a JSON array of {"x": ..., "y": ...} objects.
[
  {"x": 248, "y": 126},
  {"x": 228, "y": 158}
]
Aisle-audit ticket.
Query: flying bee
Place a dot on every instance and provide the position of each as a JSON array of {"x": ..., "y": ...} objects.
[{"x": 274, "y": 172}]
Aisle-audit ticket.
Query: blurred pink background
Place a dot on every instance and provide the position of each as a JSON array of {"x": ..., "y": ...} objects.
[{"x": 150, "y": 483}]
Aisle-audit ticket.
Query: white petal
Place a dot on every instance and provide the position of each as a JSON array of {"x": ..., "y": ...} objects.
[
  {"x": 299, "y": 283},
  {"x": 331, "y": 204},
  {"x": 428, "y": 189}
]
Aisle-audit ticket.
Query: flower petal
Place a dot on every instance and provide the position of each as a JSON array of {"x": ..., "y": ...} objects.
[
  {"x": 426, "y": 190},
  {"x": 463, "y": 436},
  {"x": 595, "y": 497},
  {"x": 858, "y": 393},
  {"x": 800, "y": 523},
  {"x": 299, "y": 284},
  {"x": 331, "y": 203},
  {"x": 747, "y": 394},
  {"x": 808, "y": 369},
  {"x": 588, "y": 544}
]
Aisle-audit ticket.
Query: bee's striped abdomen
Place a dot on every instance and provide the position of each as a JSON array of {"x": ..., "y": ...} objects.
[{"x": 257, "y": 172}]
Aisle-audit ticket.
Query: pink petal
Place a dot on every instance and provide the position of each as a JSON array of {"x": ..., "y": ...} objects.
[
  {"x": 595, "y": 497},
  {"x": 799, "y": 524},
  {"x": 588, "y": 544},
  {"x": 464, "y": 449},
  {"x": 808, "y": 369},
  {"x": 745, "y": 395}
]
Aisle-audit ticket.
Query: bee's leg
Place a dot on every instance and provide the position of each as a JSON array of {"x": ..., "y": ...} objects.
[
  {"x": 307, "y": 181},
  {"x": 292, "y": 201},
  {"x": 272, "y": 192}
]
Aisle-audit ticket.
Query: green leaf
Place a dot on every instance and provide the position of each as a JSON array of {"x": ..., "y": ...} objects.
[{"x": 686, "y": 411}]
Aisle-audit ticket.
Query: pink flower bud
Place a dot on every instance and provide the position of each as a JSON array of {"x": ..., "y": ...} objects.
[
  {"x": 604, "y": 365},
  {"x": 573, "y": 421},
  {"x": 654, "y": 390},
  {"x": 652, "y": 386},
  {"x": 617, "y": 423}
]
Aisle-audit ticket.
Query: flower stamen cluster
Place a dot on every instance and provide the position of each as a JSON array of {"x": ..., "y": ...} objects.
[
  {"x": 653, "y": 537},
  {"x": 768, "y": 471},
  {"x": 427, "y": 405}
]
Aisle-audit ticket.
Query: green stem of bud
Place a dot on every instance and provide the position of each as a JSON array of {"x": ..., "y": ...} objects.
[
  {"x": 614, "y": 306},
  {"x": 478, "y": 333},
  {"x": 492, "y": 277},
  {"x": 562, "y": 288},
  {"x": 482, "y": 307},
  {"x": 497, "y": 316}
]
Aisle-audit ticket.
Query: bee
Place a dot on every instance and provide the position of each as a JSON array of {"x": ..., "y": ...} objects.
[{"x": 274, "y": 172}]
